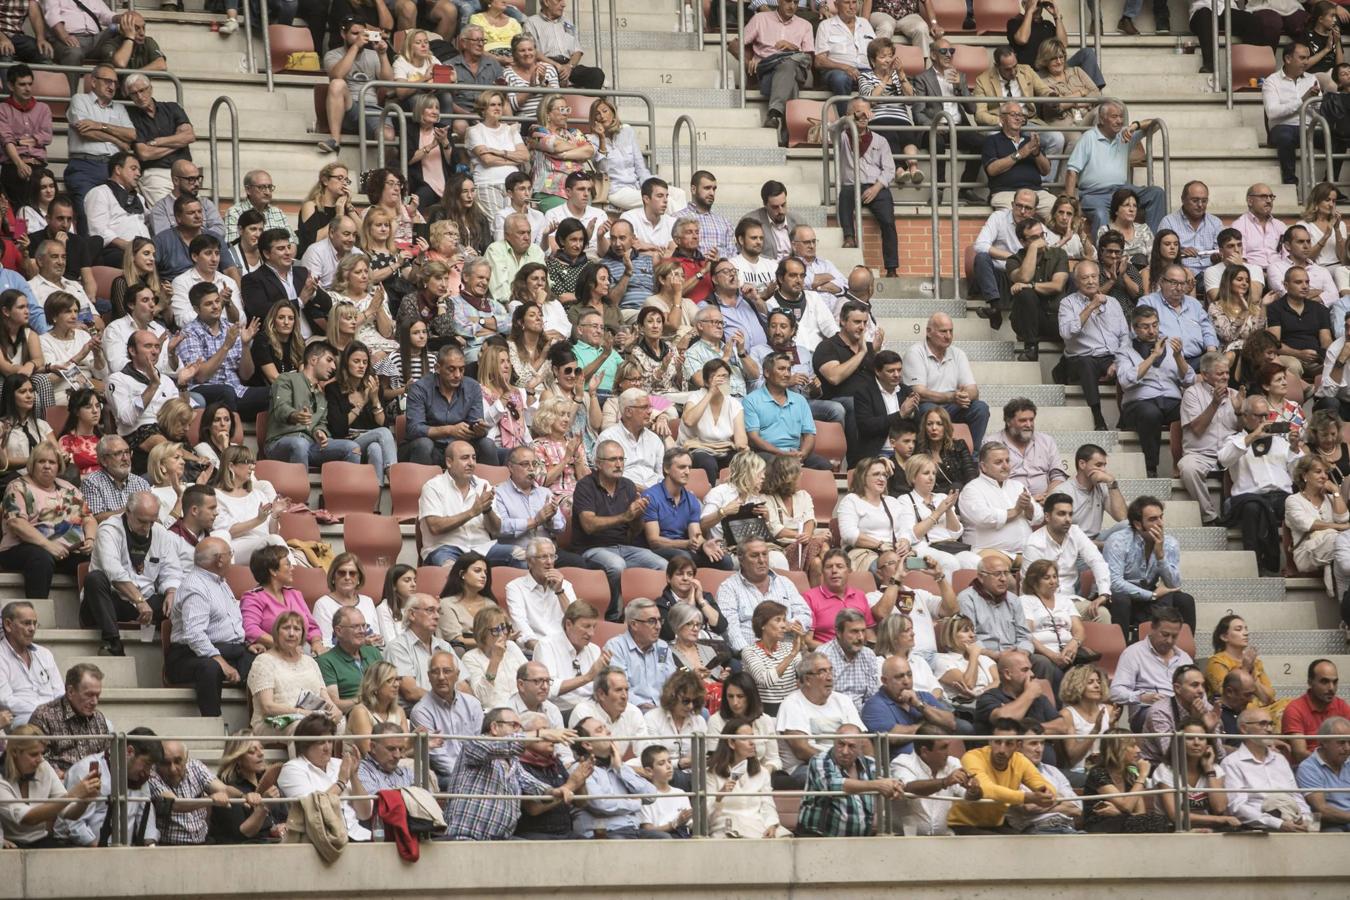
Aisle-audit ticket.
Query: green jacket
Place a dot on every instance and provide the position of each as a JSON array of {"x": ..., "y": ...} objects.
[{"x": 291, "y": 393}]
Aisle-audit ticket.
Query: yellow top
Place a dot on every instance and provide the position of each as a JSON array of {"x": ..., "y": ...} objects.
[
  {"x": 1004, "y": 786},
  {"x": 1220, "y": 664},
  {"x": 498, "y": 38}
]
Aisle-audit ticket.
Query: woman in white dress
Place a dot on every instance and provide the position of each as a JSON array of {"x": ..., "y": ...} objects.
[
  {"x": 712, "y": 426},
  {"x": 869, "y": 521},
  {"x": 928, "y": 518},
  {"x": 740, "y": 700},
  {"x": 247, "y": 507}
]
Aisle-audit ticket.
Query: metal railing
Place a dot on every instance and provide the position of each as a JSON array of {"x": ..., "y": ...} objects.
[
  {"x": 1311, "y": 124},
  {"x": 613, "y": 73},
  {"x": 830, "y": 177},
  {"x": 84, "y": 70},
  {"x": 1223, "y": 57},
  {"x": 882, "y": 745},
  {"x": 614, "y": 95},
  {"x": 393, "y": 109},
  {"x": 1094, "y": 11},
  {"x": 211, "y": 138},
  {"x": 685, "y": 120}
]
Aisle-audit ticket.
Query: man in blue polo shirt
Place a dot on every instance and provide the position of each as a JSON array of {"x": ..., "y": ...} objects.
[
  {"x": 1100, "y": 164},
  {"x": 671, "y": 520},
  {"x": 778, "y": 422},
  {"x": 899, "y": 709}
]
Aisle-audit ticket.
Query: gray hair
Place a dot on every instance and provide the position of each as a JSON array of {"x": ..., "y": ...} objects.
[
  {"x": 1334, "y": 725},
  {"x": 846, "y": 616},
  {"x": 476, "y": 263},
  {"x": 144, "y": 501},
  {"x": 341, "y": 614},
  {"x": 636, "y": 608},
  {"x": 806, "y": 662},
  {"x": 207, "y": 554},
  {"x": 513, "y": 218},
  {"x": 680, "y": 615},
  {"x": 252, "y": 176},
  {"x": 631, "y": 397},
  {"x": 989, "y": 447},
  {"x": 1109, "y": 104},
  {"x": 1249, "y": 406},
  {"x": 134, "y": 79},
  {"x": 1209, "y": 360},
  {"x": 532, "y": 720},
  {"x": 683, "y": 222},
  {"x": 11, "y": 610},
  {"x": 532, "y": 548},
  {"x": 108, "y": 443}
]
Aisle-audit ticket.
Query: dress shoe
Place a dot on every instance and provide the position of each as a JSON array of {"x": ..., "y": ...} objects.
[
  {"x": 992, "y": 314},
  {"x": 1126, "y": 26},
  {"x": 112, "y": 648},
  {"x": 1028, "y": 353}
]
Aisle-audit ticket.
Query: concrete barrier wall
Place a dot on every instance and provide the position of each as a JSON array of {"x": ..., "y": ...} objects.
[{"x": 1307, "y": 867}]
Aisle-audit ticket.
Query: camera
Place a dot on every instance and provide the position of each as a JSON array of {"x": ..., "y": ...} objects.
[{"x": 1279, "y": 428}]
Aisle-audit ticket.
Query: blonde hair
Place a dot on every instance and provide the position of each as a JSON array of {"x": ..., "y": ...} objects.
[
  {"x": 916, "y": 463},
  {"x": 367, "y": 243},
  {"x": 480, "y": 105},
  {"x": 174, "y": 410},
  {"x": 156, "y": 464},
  {"x": 551, "y": 411},
  {"x": 348, "y": 265},
  {"x": 339, "y": 310},
  {"x": 406, "y": 50},
  {"x": 375, "y": 676},
  {"x": 744, "y": 468},
  {"x": 487, "y": 618},
  {"x": 1074, "y": 685},
  {"x": 324, "y": 174},
  {"x": 20, "y": 738},
  {"x": 614, "y": 126},
  {"x": 236, "y": 748},
  {"x": 439, "y": 229},
  {"x": 947, "y": 636}
]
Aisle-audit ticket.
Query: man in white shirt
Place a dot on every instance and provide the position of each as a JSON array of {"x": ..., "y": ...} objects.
[
  {"x": 571, "y": 658},
  {"x": 139, "y": 390},
  {"x": 1259, "y": 463},
  {"x": 813, "y": 314},
  {"x": 814, "y": 708},
  {"x": 758, "y": 271},
  {"x": 1282, "y": 95},
  {"x": 642, "y": 448},
  {"x": 930, "y": 771},
  {"x": 1209, "y": 417},
  {"x": 51, "y": 264},
  {"x": 941, "y": 375},
  {"x": 322, "y": 257},
  {"x": 518, "y": 192},
  {"x": 1333, "y": 392},
  {"x": 1231, "y": 254},
  {"x": 841, "y": 48},
  {"x": 90, "y": 829},
  {"x": 999, "y": 513},
  {"x": 1072, "y": 551},
  {"x": 652, "y": 225},
  {"x": 538, "y": 601},
  {"x": 995, "y": 243},
  {"x": 134, "y": 572},
  {"x": 1296, "y": 249},
  {"x": 821, "y": 274},
  {"x": 578, "y": 189},
  {"x": 1257, "y": 766},
  {"x": 609, "y": 703},
  {"x": 454, "y": 511},
  {"x": 204, "y": 252},
  {"x": 28, "y": 673},
  {"x": 115, "y": 210}
]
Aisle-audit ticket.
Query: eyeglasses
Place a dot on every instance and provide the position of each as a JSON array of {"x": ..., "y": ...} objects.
[
  {"x": 342, "y": 178},
  {"x": 946, "y": 51},
  {"x": 469, "y": 40},
  {"x": 810, "y": 243},
  {"x": 689, "y": 701},
  {"x": 1263, "y": 196},
  {"x": 542, "y": 682},
  {"x": 609, "y": 458},
  {"x": 346, "y": 573},
  {"x": 718, "y": 322},
  {"x": 263, "y": 187},
  {"x": 105, "y": 80},
  {"x": 650, "y": 620},
  {"x": 1173, "y": 281},
  {"x": 1024, "y": 206},
  {"x": 1262, "y": 723},
  {"x": 509, "y": 724},
  {"x": 191, "y": 179}
]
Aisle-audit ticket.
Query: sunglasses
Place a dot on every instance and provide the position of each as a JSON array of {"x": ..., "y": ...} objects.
[{"x": 947, "y": 51}]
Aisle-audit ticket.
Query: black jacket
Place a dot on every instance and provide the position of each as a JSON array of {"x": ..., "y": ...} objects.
[
  {"x": 874, "y": 423},
  {"x": 262, "y": 287}
]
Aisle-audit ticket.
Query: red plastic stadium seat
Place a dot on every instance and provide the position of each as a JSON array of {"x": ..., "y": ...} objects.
[
  {"x": 431, "y": 580},
  {"x": 968, "y": 261},
  {"x": 285, "y": 40},
  {"x": 313, "y": 583},
  {"x": 56, "y": 88},
  {"x": 712, "y": 579},
  {"x": 501, "y": 577},
  {"x": 240, "y": 580},
  {"x": 589, "y": 585},
  {"x": 405, "y": 487},
  {"x": 349, "y": 487},
  {"x": 831, "y": 443},
  {"x": 1174, "y": 443},
  {"x": 321, "y": 108},
  {"x": 1186, "y": 641},
  {"x": 494, "y": 475},
  {"x": 370, "y": 537},
  {"x": 798, "y": 579},
  {"x": 581, "y": 111},
  {"x": 910, "y": 59},
  {"x": 291, "y": 480},
  {"x": 971, "y": 61},
  {"x": 787, "y": 807},
  {"x": 961, "y": 432},
  {"x": 863, "y": 581},
  {"x": 103, "y": 279},
  {"x": 698, "y": 483},
  {"x": 1251, "y": 61},
  {"x": 824, "y": 492},
  {"x": 962, "y": 579},
  {"x": 604, "y": 631},
  {"x": 56, "y": 417},
  {"x": 799, "y": 112},
  {"x": 1106, "y": 640},
  {"x": 299, "y": 527},
  {"x": 950, "y": 14},
  {"x": 922, "y": 581},
  {"x": 993, "y": 15},
  {"x": 635, "y": 582}
]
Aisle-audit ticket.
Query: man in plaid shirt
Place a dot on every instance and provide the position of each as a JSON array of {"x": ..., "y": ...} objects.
[
  {"x": 487, "y": 768},
  {"x": 221, "y": 354},
  {"x": 184, "y": 792},
  {"x": 843, "y": 768}
]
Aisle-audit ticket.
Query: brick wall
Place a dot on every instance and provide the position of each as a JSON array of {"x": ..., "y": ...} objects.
[{"x": 916, "y": 242}]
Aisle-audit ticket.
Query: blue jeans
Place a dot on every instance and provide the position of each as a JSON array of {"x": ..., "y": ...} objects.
[
  {"x": 81, "y": 177},
  {"x": 1285, "y": 139},
  {"x": 380, "y": 451},
  {"x": 989, "y": 278},
  {"x": 975, "y": 417},
  {"x": 497, "y": 555},
  {"x": 614, "y": 559},
  {"x": 828, "y": 411},
  {"x": 300, "y": 448},
  {"x": 1086, "y": 59}
]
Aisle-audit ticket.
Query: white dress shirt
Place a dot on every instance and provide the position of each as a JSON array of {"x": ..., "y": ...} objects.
[
  {"x": 44, "y": 288},
  {"x": 843, "y": 44},
  {"x": 642, "y": 455},
  {"x": 441, "y": 497},
  {"x": 321, "y": 261},
  {"x": 181, "y": 306},
  {"x": 108, "y": 220},
  {"x": 630, "y": 722},
  {"x": 1253, "y": 474},
  {"x": 1222, "y": 425},
  {"x": 159, "y": 574},
  {"x": 125, "y": 396},
  {"x": 26, "y": 686},
  {"x": 817, "y": 321},
  {"x": 536, "y": 610},
  {"x": 985, "y": 505},
  {"x": 1249, "y": 776},
  {"x": 119, "y": 331},
  {"x": 658, "y": 235},
  {"x": 1077, "y": 547},
  {"x": 998, "y": 231},
  {"x": 925, "y": 815},
  {"x": 565, "y": 662},
  {"x": 1282, "y": 96}
]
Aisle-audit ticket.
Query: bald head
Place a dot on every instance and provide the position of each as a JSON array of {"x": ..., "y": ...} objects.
[{"x": 212, "y": 554}]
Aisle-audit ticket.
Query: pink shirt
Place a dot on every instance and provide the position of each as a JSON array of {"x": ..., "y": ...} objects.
[
  {"x": 259, "y": 610},
  {"x": 825, "y": 606},
  {"x": 765, "y": 29},
  {"x": 1260, "y": 245}
]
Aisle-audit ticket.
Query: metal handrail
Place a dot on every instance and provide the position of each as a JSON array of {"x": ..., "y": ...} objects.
[
  {"x": 742, "y": 76},
  {"x": 248, "y": 41},
  {"x": 225, "y": 101},
  {"x": 1310, "y": 119},
  {"x": 1224, "y": 70},
  {"x": 934, "y": 201},
  {"x": 649, "y": 123},
  {"x": 1084, "y": 9},
  {"x": 683, "y": 120},
  {"x": 84, "y": 70},
  {"x": 392, "y": 108},
  {"x": 267, "y": 45},
  {"x": 119, "y": 803},
  {"x": 835, "y": 130}
]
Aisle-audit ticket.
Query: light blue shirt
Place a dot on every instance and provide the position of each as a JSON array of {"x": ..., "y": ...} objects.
[
  {"x": 515, "y": 508},
  {"x": 737, "y": 599},
  {"x": 781, "y": 425},
  {"x": 37, "y": 318},
  {"x": 1160, "y": 381},
  {"x": 1314, "y": 773},
  {"x": 1135, "y": 575},
  {"x": 1202, "y": 239},
  {"x": 1103, "y": 334},
  {"x": 613, "y": 814},
  {"x": 1337, "y": 312},
  {"x": 1190, "y": 323},
  {"x": 647, "y": 671},
  {"x": 1102, "y": 163},
  {"x": 743, "y": 318}
]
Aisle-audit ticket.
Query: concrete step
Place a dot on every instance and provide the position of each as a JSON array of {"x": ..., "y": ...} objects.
[
  {"x": 117, "y": 671},
  {"x": 1261, "y": 618},
  {"x": 1218, "y": 564}
]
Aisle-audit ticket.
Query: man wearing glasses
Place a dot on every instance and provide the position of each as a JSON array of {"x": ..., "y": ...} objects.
[
  {"x": 163, "y": 134},
  {"x": 28, "y": 673},
  {"x": 994, "y": 245},
  {"x": 1260, "y": 230},
  {"x": 1014, "y": 161},
  {"x": 941, "y": 79},
  {"x": 186, "y": 178},
  {"x": 1255, "y": 767},
  {"x": 646, "y": 659},
  {"x": 711, "y": 324},
  {"x": 258, "y": 187},
  {"x": 472, "y": 66},
  {"x": 1196, "y": 228},
  {"x": 99, "y": 128},
  {"x": 1180, "y": 316}
]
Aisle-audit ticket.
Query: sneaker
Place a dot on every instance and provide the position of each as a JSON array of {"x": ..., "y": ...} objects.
[
  {"x": 328, "y": 145},
  {"x": 229, "y": 26}
]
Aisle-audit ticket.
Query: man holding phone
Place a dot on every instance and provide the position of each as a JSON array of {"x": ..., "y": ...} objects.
[
  {"x": 1260, "y": 461},
  {"x": 360, "y": 59}
]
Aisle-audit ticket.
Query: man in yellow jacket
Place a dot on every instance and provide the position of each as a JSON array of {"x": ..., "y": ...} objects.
[{"x": 1005, "y": 777}]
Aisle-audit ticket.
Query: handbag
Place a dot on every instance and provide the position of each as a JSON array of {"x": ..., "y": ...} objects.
[
  {"x": 745, "y": 526},
  {"x": 599, "y": 187}
]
